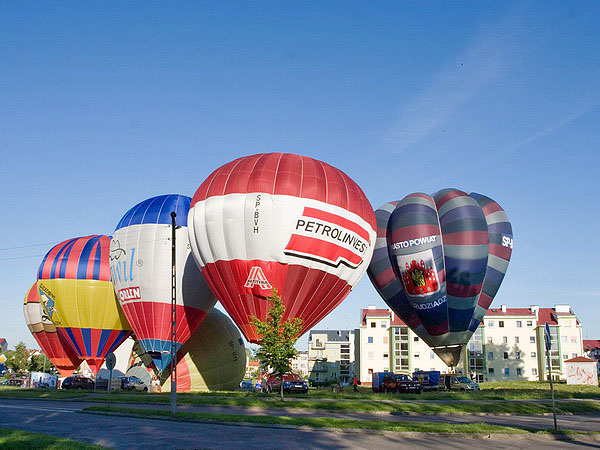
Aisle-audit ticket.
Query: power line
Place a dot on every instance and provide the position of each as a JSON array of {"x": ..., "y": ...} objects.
[{"x": 29, "y": 246}]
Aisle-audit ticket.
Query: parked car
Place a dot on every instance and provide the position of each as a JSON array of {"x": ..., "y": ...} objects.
[
  {"x": 457, "y": 383},
  {"x": 133, "y": 384},
  {"x": 12, "y": 382},
  {"x": 258, "y": 387},
  {"x": 77, "y": 382},
  {"x": 291, "y": 383},
  {"x": 399, "y": 382}
]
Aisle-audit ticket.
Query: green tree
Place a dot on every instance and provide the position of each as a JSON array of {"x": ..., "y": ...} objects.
[
  {"x": 41, "y": 363},
  {"x": 277, "y": 338},
  {"x": 18, "y": 359}
]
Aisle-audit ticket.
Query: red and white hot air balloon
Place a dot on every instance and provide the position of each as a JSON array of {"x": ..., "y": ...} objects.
[{"x": 284, "y": 221}]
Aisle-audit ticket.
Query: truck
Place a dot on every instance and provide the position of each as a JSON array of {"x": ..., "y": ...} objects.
[
  {"x": 377, "y": 380},
  {"x": 429, "y": 379}
]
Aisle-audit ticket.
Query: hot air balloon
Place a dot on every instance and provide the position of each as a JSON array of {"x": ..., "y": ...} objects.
[
  {"x": 283, "y": 221},
  {"x": 214, "y": 359},
  {"x": 78, "y": 297},
  {"x": 53, "y": 345},
  {"x": 140, "y": 262},
  {"x": 438, "y": 263}
]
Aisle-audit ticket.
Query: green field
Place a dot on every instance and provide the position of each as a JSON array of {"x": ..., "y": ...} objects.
[
  {"x": 494, "y": 398},
  {"x": 16, "y": 439},
  {"x": 331, "y": 422}
]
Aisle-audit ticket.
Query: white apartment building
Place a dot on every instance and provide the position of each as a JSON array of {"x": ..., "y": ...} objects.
[
  {"x": 386, "y": 343},
  {"x": 331, "y": 356},
  {"x": 300, "y": 364},
  {"x": 508, "y": 345}
]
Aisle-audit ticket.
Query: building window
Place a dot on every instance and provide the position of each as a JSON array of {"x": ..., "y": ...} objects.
[
  {"x": 385, "y": 355},
  {"x": 431, "y": 355},
  {"x": 517, "y": 355},
  {"x": 507, "y": 371},
  {"x": 370, "y": 340},
  {"x": 398, "y": 362},
  {"x": 490, "y": 340},
  {"x": 573, "y": 340},
  {"x": 516, "y": 339},
  {"x": 530, "y": 323},
  {"x": 396, "y": 330},
  {"x": 490, "y": 323},
  {"x": 417, "y": 355},
  {"x": 534, "y": 371},
  {"x": 490, "y": 370},
  {"x": 373, "y": 325},
  {"x": 382, "y": 324},
  {"x": 317, "y": 376},
  {"x": 532, "y": 339},
  {"x": 519, "y": 371},
  {"x": 533, "y": 354},
  {"x": 563, "y": 339},
  {"x": 505, "y": 355},
  {"x": 519, "y": 324},
  {"x": 505, "y": 339},
  {"x": 416, "y": 339},
  {"x": 398, "y": 346},
  {"x": 573, "y": 355},
  {"x": 385, "y": 339},
  {"x": 490, "y": 356},
  {"x": 370, "y": 371},
  {"x": 501, "y": 323},
  {"x": 565, "y": 356}
]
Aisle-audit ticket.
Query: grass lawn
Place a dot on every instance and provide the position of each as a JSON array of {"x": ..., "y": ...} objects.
[
  {"x": 16, "y": 439},
  {"x": 319, "y": 422},
  {"x": 17, "y": 392},
  {"x": 490, "y": 407}
]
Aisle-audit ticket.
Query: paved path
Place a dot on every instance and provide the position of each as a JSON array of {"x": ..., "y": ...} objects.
[{"x": 62, "y": 419}]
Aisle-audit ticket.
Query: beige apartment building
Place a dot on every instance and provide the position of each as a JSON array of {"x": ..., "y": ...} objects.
[
  {"x": 508, "y": 345},
  {"x": 331, "y": 356}
]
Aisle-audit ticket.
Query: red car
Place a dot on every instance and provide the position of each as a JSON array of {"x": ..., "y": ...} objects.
[{"x": 291, "y": 383}]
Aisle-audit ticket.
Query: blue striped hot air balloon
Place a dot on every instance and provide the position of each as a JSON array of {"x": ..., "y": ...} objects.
[{"x": 438, "y": 263}]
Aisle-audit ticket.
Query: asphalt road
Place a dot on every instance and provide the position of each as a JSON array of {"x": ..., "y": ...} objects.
[{"x": 62, "y": 418}]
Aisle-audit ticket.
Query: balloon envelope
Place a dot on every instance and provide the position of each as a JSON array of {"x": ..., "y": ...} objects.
[
  {"x": 438, "y": 263},
  {"x": 280, "y": 221},
  {"x": 140, "y": 262},
  {"x": 78, "y": 297},
  {"x": 53, "y": 345},
  {"x": 214, "y": 359}
]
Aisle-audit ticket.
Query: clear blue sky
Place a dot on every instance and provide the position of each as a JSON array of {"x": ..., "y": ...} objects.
[{"x": 104, "y": 104}]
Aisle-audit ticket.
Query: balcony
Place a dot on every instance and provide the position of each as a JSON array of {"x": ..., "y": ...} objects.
[{"x": 317, "y": 358}]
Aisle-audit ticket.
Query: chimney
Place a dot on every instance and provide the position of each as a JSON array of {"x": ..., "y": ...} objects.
[
  {"x": 503, "y": 308},
  {"x": 535, "y": 309}
]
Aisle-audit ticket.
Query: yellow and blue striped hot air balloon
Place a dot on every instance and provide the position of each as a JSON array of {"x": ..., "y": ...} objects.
[{"x": 78, "y": 296}]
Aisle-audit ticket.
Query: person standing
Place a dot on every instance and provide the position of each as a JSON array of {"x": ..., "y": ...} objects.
[{"x": 355, "y": 383}]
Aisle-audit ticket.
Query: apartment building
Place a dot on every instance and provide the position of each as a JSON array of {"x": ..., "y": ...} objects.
[
  {"x": 331, "y": 356},
  {"x": 508, "y": 345},
  {"x": 300, "y": 364},
  {"x": 385, "y": 343}
]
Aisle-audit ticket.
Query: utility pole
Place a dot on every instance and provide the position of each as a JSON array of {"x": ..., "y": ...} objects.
[
  {"x": 548, "y": 340},
  {"x": 173, "y": 319}
]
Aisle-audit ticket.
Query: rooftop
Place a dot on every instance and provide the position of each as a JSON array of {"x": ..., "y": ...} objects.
[
  {"x": 332, "y": 335},
  {"x": 591, "y": 344},
  {"x": 580, "y": 359}
]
